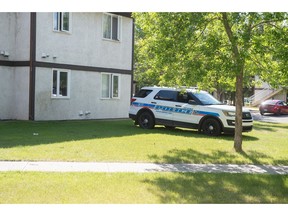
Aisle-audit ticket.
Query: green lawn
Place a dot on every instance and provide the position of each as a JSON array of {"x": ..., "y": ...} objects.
[
  {"x": 143, "y": 188},
  {"x": 122, "y": 141}
]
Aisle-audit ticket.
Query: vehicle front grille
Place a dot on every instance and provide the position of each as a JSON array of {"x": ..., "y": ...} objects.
[{"x": 246, "y": 115}]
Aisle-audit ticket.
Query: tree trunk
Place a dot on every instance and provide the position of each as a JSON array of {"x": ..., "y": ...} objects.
[
  {"x": 238, "y": 117},
  {"x": 239, "y": 63}
]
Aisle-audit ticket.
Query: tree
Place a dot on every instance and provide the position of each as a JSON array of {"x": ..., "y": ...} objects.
[{"x": 215, "y": 51}]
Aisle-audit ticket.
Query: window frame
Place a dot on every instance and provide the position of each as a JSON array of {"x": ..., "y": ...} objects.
[
  {"x": 58, "y": 85},
  {"x": 161, "y": 93},
  {"x": 119, "y": 27},
  {"x": 111, "y": 86},
  {"x": 60, "y": 22}
]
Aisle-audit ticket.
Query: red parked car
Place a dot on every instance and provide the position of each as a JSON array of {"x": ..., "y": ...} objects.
[{"x": 277, "y": 107}]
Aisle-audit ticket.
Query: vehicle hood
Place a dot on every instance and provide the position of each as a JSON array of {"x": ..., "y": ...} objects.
[{"x": 227, "y": 108}]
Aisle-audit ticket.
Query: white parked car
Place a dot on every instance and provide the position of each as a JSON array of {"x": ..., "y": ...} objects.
[{"x": 188, "y": 108}]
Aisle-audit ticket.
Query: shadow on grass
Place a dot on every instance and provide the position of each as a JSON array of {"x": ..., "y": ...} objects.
[
  {"x": 217, "y": 156},
  {"x": 263, "y": 126},
  {"x": 29, "y": 133},
  {"x": 219, "y": 188}
]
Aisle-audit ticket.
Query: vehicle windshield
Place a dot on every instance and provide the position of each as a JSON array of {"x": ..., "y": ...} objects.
[{"x": 206, "y": 98}]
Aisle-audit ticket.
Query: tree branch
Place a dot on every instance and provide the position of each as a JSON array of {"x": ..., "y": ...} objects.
[{"x": 267, "y": 22}]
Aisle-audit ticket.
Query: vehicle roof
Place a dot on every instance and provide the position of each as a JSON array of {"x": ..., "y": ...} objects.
[
  {"x": 271, "y": 101},
  {"x": 190, "y": 89}
]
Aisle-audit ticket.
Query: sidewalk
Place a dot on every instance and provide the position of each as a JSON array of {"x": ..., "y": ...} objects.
[{"x": 138, "y": 167}]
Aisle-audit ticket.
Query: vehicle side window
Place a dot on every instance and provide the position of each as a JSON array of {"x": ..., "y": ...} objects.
[
  {"x": 281, "y": 103},
  {"x": 143, "y": 93},
  {"x": 183, "y": 97},
  {"x": 166, "y": 95}
]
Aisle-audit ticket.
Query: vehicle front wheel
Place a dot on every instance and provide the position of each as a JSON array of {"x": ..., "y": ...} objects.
[
  {"x": 146, "y": 120},
  {"x": 211, "y": 127}
]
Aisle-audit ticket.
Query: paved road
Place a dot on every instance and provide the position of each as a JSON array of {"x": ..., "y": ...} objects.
[
  {"x": 138, "y": 167},
  {"x": 269, "y": 117}
]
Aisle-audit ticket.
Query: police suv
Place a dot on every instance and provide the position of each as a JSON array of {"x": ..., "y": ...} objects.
[{"x": 189, "y": 108}]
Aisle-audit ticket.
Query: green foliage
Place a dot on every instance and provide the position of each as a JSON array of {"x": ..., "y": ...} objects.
[{"x": 187, "y": 49}]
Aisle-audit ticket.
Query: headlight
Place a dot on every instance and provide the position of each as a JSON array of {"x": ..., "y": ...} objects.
[{"x": 229, "y": 113}]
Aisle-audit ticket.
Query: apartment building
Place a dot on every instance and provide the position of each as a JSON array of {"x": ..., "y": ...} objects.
[{"x": 63, "y": 66}]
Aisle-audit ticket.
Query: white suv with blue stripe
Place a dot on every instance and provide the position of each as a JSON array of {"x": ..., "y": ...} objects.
[{"x": 189, "y": 108}]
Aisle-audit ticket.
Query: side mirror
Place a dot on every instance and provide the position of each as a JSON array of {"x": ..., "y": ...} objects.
[{"x": 192, "y": 102}]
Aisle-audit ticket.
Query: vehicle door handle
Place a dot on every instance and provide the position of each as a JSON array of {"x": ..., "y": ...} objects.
[
  {"x": 178, "y": 105},
  {"x": 153, "y": 102}
]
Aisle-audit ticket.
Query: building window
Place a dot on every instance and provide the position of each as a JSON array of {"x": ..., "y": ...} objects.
[
  {"x": 61, "y": 21},
  {"x": 111, "y": 27},
  {"x": 110, "y": 86},
  {"x": 61, "y": 83}
]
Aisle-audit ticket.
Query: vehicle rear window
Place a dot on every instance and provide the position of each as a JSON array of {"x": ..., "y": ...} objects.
[{"x": 143, "y": 93}]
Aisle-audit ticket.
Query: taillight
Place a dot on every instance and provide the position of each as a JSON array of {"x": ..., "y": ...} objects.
[{"x": 132, "y": 100}]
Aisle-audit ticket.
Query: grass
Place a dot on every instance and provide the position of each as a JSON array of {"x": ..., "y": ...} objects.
[
  {"x": 121, "y": 141},
  {"x": 144, "y": 188}
]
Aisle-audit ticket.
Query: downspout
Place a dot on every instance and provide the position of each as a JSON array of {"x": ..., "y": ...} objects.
[
  {"x": 132, "y": 60},
  {"x": 32, "y": 61}
]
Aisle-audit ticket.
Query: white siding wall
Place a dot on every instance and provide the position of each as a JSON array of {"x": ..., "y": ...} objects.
[
  {"x": 14, "y": 93},
  {"x": 6, "y": 92},
  {"x": 7, "y": 36},
  {"x": 21, "y": 93},
  {"x": 84, "y": 45},
  {"x": 14, "y": 82},
  {"x": 85, "y": 95},
  {"x": 22, "y": 37}
]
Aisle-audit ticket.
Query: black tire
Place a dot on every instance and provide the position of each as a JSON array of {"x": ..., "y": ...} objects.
[
  {"x": 278, "y": 112},
  {"x": 262, "y": 113},
  {"x": 211, "y": 127},
  {"x": 146, "y": 120}
]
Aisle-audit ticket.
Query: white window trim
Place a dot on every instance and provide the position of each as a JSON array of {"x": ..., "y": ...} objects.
[
  {"x": 119, "y": 30},
  {"x": 60, "y": 28},
  {"x": 57, "y": 96},
  {"x": 111, "y": 86}
]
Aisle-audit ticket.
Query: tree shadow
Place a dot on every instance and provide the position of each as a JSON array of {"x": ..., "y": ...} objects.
[
  {"x": 217, "y": 157},
  {"x": 30, "y": 133},
  {"x": 269, "y": 126},
  {"x": 184, "y": 188}
]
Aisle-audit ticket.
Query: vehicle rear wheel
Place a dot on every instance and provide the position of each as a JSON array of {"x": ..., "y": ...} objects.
[
  {"x": 211, "y": 127},
  {"x": 146, "y": 120}
]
